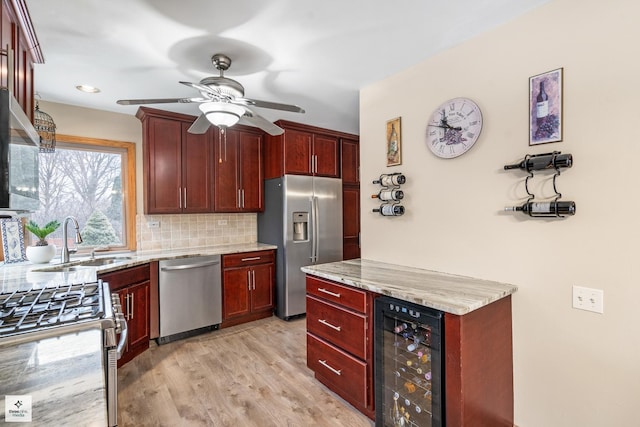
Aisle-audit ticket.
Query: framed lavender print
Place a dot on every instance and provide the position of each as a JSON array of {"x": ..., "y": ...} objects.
[
  {"x": 545, "y": 107},
  {"x": 394, "y": 142}
]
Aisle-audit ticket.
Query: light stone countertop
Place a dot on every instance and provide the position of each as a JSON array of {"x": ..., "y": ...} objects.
[
  {"x": 25, "y": 275},
  {"x": 442, "y": 291}
]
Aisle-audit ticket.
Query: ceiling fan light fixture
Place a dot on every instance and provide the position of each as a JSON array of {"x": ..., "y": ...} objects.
[{"x": 222, "y": 114}]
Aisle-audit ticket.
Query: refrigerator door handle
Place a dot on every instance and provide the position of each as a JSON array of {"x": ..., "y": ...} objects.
[{"x": 315, "y": 246}]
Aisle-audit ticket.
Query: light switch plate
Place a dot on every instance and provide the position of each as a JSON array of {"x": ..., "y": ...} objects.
[
  {"x": 153, "y": 224},
  {"x": 588, "y": 299}
]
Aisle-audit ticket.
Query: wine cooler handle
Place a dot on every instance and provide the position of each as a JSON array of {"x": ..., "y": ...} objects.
[
  {"x": 329, "y": 367},
  {"x": 324, "y": 291},
  {"x": 334, "y": 327}
]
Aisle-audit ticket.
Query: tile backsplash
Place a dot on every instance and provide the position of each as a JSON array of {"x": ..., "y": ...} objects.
[{"x": 184, "y": 231}]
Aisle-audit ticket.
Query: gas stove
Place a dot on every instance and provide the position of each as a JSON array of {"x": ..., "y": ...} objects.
[{"x": 39, "y": 309}]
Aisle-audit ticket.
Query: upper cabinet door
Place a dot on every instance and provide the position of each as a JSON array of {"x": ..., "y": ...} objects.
[
  {"x": 196, "y": 171},
  {"x": 162, "y": 166},
  {"x": 350, "y": 160},
  {"x": 226, "y": 194},
  {"x": 325, "y": 156},
  {"x": 298, "y": 152},
  {"x": 251, "y": 172}
]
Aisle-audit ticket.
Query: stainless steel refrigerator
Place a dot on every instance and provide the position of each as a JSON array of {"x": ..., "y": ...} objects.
[{"x": 303, "y": 217}]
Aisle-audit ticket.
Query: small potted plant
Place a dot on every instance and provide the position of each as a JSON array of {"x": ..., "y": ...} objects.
[{"x": 42, "y": 252}]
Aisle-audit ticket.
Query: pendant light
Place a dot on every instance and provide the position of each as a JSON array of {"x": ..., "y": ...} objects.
[{"x": 46, "y": 128}]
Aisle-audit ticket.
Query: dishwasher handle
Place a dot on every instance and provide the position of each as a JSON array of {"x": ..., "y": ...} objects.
[{"x": 190, "y": 266}]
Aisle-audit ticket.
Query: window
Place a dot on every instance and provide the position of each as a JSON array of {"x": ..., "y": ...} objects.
[{"x": 92, "y": 180}]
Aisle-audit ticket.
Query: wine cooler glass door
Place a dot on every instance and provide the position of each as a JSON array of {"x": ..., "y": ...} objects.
[{"x": 408, "y": 365}]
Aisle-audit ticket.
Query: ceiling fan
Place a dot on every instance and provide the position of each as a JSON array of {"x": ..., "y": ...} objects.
[{"x": 222, "y": 103}]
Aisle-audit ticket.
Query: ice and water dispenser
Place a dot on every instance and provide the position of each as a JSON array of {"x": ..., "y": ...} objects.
[{"x": 300, "y": 226}]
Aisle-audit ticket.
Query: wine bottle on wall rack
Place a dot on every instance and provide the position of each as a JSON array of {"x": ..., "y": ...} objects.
[
  {"x": 389, "y": 195},
  {"x": 390, "y": 210},
  {"x": 391, "y": 180},
  {"x": 545, "y": 209},
  {"x": 543, "y": 161}
]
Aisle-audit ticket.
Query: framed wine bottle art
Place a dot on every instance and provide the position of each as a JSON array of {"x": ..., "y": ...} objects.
[
  {"x": 394, "y": 142},
  {"x": 545, "y": 107}
]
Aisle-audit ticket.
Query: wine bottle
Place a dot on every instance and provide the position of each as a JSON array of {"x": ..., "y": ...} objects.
[
  {"x": 400, "y": 328},
  {"x": 545, "y": 209},
  {"x": 391, "y": 180},
  {"x": 542, "y": 104},
  {"x": 390, "y": 210},
  {"x": 396, "y": 417},
  {"x": 543, "y": 161},
  {"x": 416, "y": 342},
  {"x": 389, "y": 195}
]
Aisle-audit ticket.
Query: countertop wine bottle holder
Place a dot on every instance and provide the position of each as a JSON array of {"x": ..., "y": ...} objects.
[
  {"x": 390, "y": 194},
  {"x": 540, "y": 162}
]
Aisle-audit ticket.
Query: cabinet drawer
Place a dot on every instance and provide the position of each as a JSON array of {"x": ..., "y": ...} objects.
[
  {"x": 248, "y": 258},
  {"x": 343, "y": 328},
  {"x": 347, "y": 296},
  {"x": 341, "y": 372},
  {"x": 126, "y": 277}
]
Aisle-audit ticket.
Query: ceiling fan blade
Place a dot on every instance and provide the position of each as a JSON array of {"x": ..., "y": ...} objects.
[
  {"x": 155, "y": 101},
  {"x": 252, "y": 119},
  {"x": 271, "y": 105},
  {"x": 200, "y": 125},
  {"x": 202, "y": 88}
]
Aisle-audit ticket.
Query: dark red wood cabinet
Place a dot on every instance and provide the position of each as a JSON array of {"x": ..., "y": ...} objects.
[
  {"x": 340, "y": 340},
  {"x": 302, "y": 150},
  {"x": 248, "y": 283},
  {"x": 238, "y": 172},
  {"x": 177, "y": 164},
  {"x": 350, "y": 169},
  {"x": 133, "y": 286}
]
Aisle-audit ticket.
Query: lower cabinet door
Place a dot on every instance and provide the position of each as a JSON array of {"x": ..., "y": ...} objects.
[
  {"x": 235, "y": 293},
  {"x": 341, "y": 372},
  {"x": 262, "y": 292},
  {"x": 139, "y": 314}
]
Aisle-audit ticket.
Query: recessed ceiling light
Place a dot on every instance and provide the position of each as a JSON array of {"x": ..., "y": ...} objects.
[{"x": 87, "y": 89}]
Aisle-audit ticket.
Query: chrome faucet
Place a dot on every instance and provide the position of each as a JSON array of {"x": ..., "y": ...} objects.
[{"x": 64, "y": 256}]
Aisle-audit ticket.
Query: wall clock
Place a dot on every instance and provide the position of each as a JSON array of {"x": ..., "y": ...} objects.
[{"x": 454, "y": 127}]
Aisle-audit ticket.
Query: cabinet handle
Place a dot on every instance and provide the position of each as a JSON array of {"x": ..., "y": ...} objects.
[
  {"x": 238, "y": 204},
  {"x": 253, "y": 278},
  {"x": 242, "y": 199},
  {"x": 329, "y": 367},
  {"x": 126, "y": 299},
  {"x": 334, "y": 327},
  {"x": 185, "y": 197},
  {"x": 180, "y": 197},
  {"x": 333, "y": 294},
  {"x": 253, "y": 258},
  {"x": 248, "y": 279},
  {"x": 315, "y": 164},
  {"x": 133, "y": 304}
]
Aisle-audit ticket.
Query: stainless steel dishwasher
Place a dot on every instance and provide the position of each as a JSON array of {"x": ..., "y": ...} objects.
[{"x": 190, "y": 296}]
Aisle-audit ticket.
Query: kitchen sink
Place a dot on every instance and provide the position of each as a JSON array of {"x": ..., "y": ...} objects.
[
  {"x": 103, "y": 261},
  {"x": 95, "y": 262}
]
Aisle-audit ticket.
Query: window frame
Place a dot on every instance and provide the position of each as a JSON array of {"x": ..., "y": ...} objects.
[{"x": 129, "y": 192}]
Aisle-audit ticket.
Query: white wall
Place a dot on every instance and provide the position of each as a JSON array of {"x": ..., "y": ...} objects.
[
  {"x": 87, "y": 122},
  {"x": 571, "y": 367}
]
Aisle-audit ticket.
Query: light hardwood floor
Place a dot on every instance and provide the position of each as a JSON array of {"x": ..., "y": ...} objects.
[{"x": 248, "y": 375}]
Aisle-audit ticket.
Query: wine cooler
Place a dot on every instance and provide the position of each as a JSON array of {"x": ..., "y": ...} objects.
[{"x": 408, "y": 364}]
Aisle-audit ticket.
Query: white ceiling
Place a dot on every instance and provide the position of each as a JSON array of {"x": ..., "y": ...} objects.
[{"x": 316, "y": 54}]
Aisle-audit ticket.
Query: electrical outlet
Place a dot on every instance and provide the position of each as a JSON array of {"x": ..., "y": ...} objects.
[
  {"x": 153, "y": 224},
  {"x": 222, "y": 222},
  {"x": 588, "y": 299}
]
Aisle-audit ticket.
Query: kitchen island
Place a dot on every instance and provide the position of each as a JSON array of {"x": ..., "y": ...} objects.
[{"x": 477, "y": 349}]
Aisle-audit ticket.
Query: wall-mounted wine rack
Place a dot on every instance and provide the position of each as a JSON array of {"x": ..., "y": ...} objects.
[
  {"x": 390, "y": 195},
  {"x": 544, "y": 162}
]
